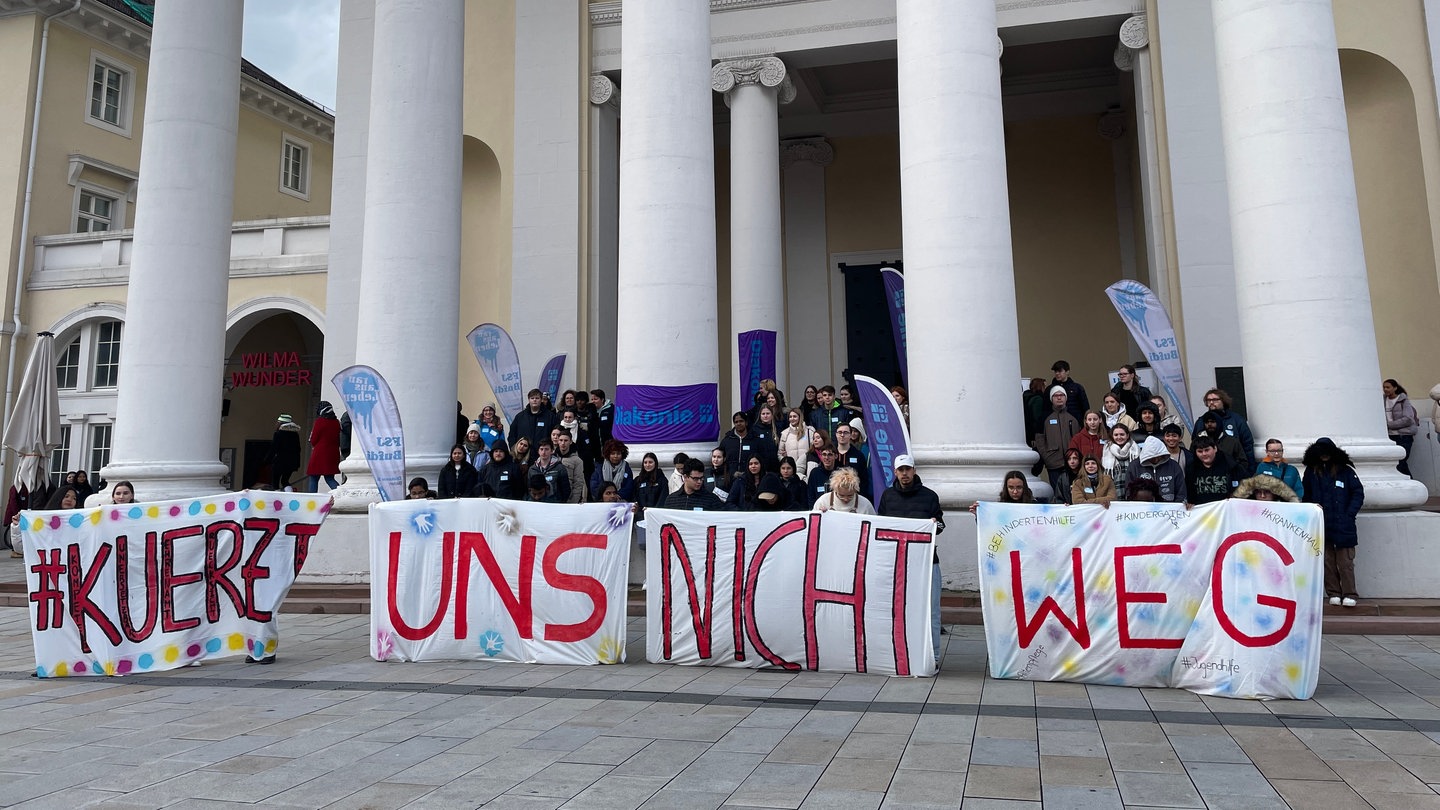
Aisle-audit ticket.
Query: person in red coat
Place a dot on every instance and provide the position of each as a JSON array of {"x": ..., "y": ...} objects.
[{"x": 324, "y": 448}]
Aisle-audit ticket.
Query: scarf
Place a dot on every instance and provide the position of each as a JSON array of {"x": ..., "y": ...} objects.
[
  {"x": 612, "y": 472},
  {"x": 1111, "y": 419}
]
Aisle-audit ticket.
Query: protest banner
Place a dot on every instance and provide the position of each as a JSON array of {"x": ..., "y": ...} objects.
[
  {"x": 666, "y": 414},
  {"x": 375, "y": 425},
  {"x": 496, "y": 354},
  {"x": 815, "y": 591},
  {"x": 132, "y": 588},
  {"x": 498, "y": 580},
  {"x": 1222, "y": 599},
  {"x": 756, "y": 353}
]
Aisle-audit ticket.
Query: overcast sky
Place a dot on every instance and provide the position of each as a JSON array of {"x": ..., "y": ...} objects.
[{"x": 295, "y": 41}]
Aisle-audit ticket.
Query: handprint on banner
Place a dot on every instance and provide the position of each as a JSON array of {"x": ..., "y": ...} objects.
[
  {"x": 492, "y": 643},
  {"x": 424, "y": 522},
  {"x": 1132, "y": 305}
]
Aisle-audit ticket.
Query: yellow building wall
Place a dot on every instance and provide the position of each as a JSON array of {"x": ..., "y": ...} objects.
[
  {"x": 19, "y": 47},
  {"x": 258, "y": 150},
  {"x": 488, "y": 185},
  {"x": 1390, "y": 104}
]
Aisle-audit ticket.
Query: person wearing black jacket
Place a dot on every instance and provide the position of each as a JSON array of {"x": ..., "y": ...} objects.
[
  {"x": 692, "y": 495},
  {"x": 908, "y": 498},
  {"x": 458, "y": 478},
  {"x": 535, "y": 421},
  {"x": 1212, "y": 476},
  {"x": 652, "y": 487},
  {"x": 1129, "y": 391},
  {"x": 552, "y": 471},
  {"x": 502, "y": 477},
  {"x": 819, "y": 481},
  {"x": 794, "y": 488},
  {"x": 600, "y": 418},
  {"x": 1330, "y": 481},
  {"x": 740, "y": 445}
]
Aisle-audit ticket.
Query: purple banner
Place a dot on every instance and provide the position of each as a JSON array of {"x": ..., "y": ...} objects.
[
  {"x": 757, "y": 362},
  {"x": 550, "y": 377},
  {"x": 895, "y": 301},
  {"x": 495, "y": 352},
  {"x": 885, "y": 432},
  {"x": 375, "y": 423},
  {"x": 666, "y": 414}
]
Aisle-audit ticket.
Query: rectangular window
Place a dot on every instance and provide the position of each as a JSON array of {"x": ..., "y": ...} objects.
[
  {"x": 295, "y": 167},
  {"x": 60, "y": 458},
  {"x": 94, "y": 212},
  {"x": 99, "y": 449},
  {"x": 107, "y": 94},
  {"x": 107, "y": 355},
  {"x": 67, "y": 368}
]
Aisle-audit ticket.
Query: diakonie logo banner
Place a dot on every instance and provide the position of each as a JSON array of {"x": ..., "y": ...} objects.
[
  {"x": 145, "y": 587},
  {"x": 1223, "y": 599}
]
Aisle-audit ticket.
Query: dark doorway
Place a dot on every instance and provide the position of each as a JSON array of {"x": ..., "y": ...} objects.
[
  {"x": 257, "y": 467},
  {"x": 870, "y": 338}
]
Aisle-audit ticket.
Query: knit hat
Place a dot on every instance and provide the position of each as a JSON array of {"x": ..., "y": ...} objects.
[
  {"x": 1061, "y": 389},
  {"x": 475, "y": 426},
  {"x": 284, "y": 417}
]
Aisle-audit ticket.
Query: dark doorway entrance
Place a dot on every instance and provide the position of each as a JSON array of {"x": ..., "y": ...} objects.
[{"x": 870, "y": 338}]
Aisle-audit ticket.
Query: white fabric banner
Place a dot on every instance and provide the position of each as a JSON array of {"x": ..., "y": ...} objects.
[
  {"x": 129, "y": 588},
  {"x": 481, "y": 579},
  {"x": 1222, "y": 599},
  {"x": 831, "y": 591}
]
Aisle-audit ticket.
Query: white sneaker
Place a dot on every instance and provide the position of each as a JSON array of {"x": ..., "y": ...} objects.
[
  {"x": 1335, "y": 600},
  {"x": 1348, "y": 602}
]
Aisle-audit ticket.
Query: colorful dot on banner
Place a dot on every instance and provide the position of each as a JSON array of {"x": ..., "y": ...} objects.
[
  {"x": 271, "y": 645},
  {"x": 61, "y": 670},
  {"x": 294, "y": 506},
  {"x": 194, "y": 650},
  {"x": 259, "y": 504},
  {"x": 40, "y": 672},
  {"x": 209, "y": 508},
  {"x": 194, "y": 508},
  {"x": 136, "y": 512},
  {"x": 1249, "y": 555},
  {"x": 1069, "y": 665},
  {"x": 145, "y": 661},
  {"x": 1292, "y": 671},
  {"x": 174, "y": 511},
  {"x": 123, "y": 666},
  {"x": 236, "y": 641},
  {"x": 244, "y": 504},
  {"x": 229, "y": 506},
  {"x": 1000, "y": 596},
  {"x": 172, "y": 654},
  {"x": 250, "y": 644},
  {"x": 55, "y": 522},
  {"x": 114, "y": 514},
  {"x": 310, "y": 506},
  {"x": 79, "y": 667},
  {"x": 278, "y": 506},
  {"x": 214, "y": 645},
  {"x": 109, "y": 667},
  {"x": 95, "y": 517},
  {"x": 38, "y": 525},
  {"x": 76, "y": 520}
]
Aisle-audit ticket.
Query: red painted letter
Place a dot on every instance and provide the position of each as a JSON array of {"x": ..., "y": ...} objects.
[
  {"x": 579, "y": 583},
  {"x": 447, "y": 572},
  {"x": 1123, "y": 598},
  {"x": 1027, "y": 629},
  {"x": 1217, "y": 592},
  {"x": 520, "y": 608}
]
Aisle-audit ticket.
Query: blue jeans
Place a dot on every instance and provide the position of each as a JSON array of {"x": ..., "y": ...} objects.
[
  {"x": 315, "y": 482},
  {"x": 935, "y": 612}
]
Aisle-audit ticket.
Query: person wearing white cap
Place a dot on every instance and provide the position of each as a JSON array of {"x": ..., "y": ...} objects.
[
  {"x": 909, "y": 498},
  {"x": 1056, "y": 431}
]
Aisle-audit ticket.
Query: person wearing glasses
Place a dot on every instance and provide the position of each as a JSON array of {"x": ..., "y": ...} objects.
[
  {"x": 1231, "y": 424},
  {"x": 693, "y": 495},
  {"x": 1129, "y": 391}
]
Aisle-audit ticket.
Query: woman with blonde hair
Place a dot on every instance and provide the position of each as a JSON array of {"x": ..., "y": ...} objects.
[
  {"x": 794, "y": 440},
  {"x": 844, "y": 495}
]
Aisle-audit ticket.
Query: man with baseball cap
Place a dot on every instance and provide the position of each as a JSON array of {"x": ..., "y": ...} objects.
[{"x": 909, "y": 498}]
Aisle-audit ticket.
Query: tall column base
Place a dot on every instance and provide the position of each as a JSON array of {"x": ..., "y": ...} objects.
[
  {"x": 964, "y": 474},
  {"x": 169, "y": 480}
]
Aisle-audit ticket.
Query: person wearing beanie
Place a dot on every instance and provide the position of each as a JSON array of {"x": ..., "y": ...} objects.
[
  {"x": 1077, "y": 401},
  {"x": 1331, "y": 482},
  {"x": 284, "y": 456},
  {"x": 1156, "y": 465},
  {"x": 475, "y": 451},
  {"x": 1055, "y": 434}
]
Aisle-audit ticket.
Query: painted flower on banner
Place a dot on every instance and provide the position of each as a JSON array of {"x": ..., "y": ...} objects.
[
  {"x": 492, "y": 643},
  {"x": 384, "y": 644},
  {"x": 424, "y": 522},
  {"x": 610, "y": 650}
]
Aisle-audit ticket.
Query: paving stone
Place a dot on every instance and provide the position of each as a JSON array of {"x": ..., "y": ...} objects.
[
  {"x": 1076, "y": 772},
  {"x": 606, "y": 750},
  {"x": 774, "y": 784},
  {"x": 1326, "y": 794},
  {"x": 1064, "y": 797},
  {"x": 617, "y": 793},
  {"x": 561, "y": 779},
  {"x": 1157, "y": 789},
  {"x": 1002, "y": 782},
  {"x": 1001, "y": 751},
  {"x": 858, "y": 774},
  {"x": 924, "y": 789},
  {"x": 1380, "y": 777},
  {"x": 936, "y": 756}
]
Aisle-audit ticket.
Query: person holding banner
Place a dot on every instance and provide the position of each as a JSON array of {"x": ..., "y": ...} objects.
[
  {"x": 66, "y": 497},
  {"x": 616, "y": 470},
  {"x": 1015, "y": 489},
  {"x": 907, "y": 497},
  {"x": 1093, "y": 485},
  {"x": 122, "y": 492},
  {"x": 1156, "y": 466},
  {"x": 755, "y": 490},
  {"x": 552, "y": 471},
  {"x": 844, "y": 495}
]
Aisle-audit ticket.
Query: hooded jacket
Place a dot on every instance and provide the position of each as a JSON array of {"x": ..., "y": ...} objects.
[
  {"x": 1285, "y": 473},
  {"x": 914, "y": 501},
  {"x": 1400, "y": 416},
  {"x": 1337, "y": 489},
  {"x": 1156, "y": 465},
  {"x": 1269, "y": 483},
  {"x": 324, "y": 443},
  {"x": 502, "y": 478},
  {"x": 1231, "y": 424}
]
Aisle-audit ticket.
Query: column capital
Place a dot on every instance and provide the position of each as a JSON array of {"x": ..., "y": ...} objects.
[
  {"x": 1135, "y": 32},
  {"x": 766, "y": 71},
  {"x": 1124, "y": 59},
  {"x": 806, "y": 150},
  {"x": 603, "y": 91}
]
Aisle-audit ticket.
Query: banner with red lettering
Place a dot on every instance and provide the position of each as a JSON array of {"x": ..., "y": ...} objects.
[
  {"x": 497, "y": 580},
  {"x": 1222, "y": 599},
  {"x": 832, "y": 591},
  {"x": 129, "y": 588}
]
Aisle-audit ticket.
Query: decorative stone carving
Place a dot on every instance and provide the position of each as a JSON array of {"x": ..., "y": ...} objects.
[
  {"x": 766, "y": 71},
  {"x": 1135, "y": 33},
  {"x": 1124, "y": 58},
  {"x": 602, "y": 90},
  {"x": 806, "y": 150}
]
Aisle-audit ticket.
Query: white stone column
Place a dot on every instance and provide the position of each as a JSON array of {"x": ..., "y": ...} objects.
[
  {"x": 666, "y": 333},
  {"x": 410, "y": 269},
  {"x": 167, "y": 425},
  {"x": 1306, "y": 326},
  {"x": 807, "y": 262},
  {"x": 1132, "y": 55},
  {"x": 965, "y": 417},
  {"x": 603, "y": 272},
  {"x": 753, "y": 88}
]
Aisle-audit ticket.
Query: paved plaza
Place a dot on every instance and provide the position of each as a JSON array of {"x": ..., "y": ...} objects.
[{"x": 326, "y": 726}]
